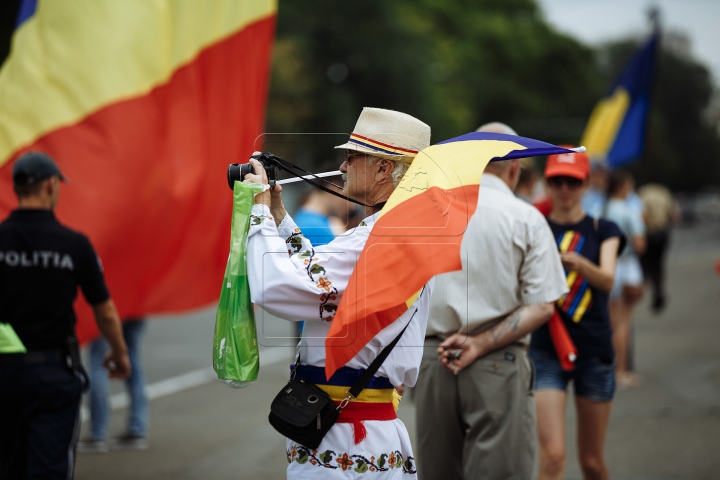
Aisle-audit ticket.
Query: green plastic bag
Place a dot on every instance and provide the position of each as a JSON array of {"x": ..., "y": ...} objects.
[{"x": 235, "y": 348}]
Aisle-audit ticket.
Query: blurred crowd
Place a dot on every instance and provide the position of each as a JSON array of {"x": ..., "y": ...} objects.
[{"x": 573, "y": 194}]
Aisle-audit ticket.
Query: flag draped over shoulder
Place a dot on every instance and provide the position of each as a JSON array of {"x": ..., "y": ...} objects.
[
  {"x": 418, "y": 235},
  {"x": 143, "y": 104},
  {"x": 616, "y": 129}
]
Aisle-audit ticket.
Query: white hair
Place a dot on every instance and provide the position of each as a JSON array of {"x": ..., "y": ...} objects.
[
  {"x": 398, "y": 171},
  {"x": 496, "y": 127}
]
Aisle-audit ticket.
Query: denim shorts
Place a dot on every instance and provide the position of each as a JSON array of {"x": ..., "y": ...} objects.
[{"x": 592, "y": 378}]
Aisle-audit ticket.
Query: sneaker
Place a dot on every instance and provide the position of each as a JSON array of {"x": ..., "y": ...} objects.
[
  {"x": 92, "y": 446},
  {"x": 130, "y": 441},
  {"x": 658, "y": 304}
]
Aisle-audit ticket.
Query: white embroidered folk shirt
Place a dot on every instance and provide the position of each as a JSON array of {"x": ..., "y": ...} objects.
[{"x": 291, "y": 279}]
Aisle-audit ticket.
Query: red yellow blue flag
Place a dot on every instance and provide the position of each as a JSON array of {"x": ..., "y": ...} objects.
[
  {"x": 418, "y": 235},
  {"x": 142, "y": 104}
]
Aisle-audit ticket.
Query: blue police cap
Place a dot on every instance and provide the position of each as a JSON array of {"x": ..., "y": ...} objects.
[{"x": 34, "y": 167}]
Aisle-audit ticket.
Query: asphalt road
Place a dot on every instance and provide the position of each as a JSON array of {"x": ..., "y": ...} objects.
[{"x": 667, "y": 428}]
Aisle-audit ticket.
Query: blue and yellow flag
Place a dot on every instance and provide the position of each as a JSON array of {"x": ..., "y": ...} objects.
[{"x": 616, "y": 130}]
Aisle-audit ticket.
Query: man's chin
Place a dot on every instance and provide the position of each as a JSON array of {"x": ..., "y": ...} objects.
[{"x": 351, "y": 196}]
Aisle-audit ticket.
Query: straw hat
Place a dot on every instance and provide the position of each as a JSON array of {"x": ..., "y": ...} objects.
[{"x": 388, "y": 134}]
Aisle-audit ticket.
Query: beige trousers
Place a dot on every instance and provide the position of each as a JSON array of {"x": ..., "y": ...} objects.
[{"x": 479, "y": 424}]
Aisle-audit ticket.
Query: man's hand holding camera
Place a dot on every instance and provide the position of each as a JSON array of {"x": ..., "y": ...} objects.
[{"x": 272, "y": 197}]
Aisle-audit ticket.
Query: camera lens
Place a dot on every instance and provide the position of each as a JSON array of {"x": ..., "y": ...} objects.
[
  {"x": 237, "y": 172},
  {"x": 246, "y": 168},
  {"x": 233, "y": 174}
]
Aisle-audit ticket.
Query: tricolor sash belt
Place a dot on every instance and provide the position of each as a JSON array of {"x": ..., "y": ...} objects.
[
  {"x": 378, "y": 401},
  {"x": 296, "y": 406}
]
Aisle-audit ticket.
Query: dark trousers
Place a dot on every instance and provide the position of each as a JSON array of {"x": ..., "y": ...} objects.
[
  {"x": 39, "y": 421},
  {"x": 653, "y": 263}
]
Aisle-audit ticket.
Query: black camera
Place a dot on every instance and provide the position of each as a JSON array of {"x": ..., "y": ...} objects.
[{"x": 237, "y": 171}]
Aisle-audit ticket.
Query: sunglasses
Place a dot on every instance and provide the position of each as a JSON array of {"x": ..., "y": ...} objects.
[
  {"x": 350, "y": 155},
  {"x": 558, "y": 182}
]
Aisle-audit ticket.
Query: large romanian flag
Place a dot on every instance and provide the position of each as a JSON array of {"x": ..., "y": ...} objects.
[
  {"x": 616, "y": 130},
  {"x": 418, "y": 235},
  {"x": 143, "y": 104}
]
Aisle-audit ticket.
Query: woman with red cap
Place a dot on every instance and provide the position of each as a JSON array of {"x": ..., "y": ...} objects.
[{"x": 588, "y": 250}]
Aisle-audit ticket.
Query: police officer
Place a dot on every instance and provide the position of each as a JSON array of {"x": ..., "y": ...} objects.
[{"x": 41, "y": 379}]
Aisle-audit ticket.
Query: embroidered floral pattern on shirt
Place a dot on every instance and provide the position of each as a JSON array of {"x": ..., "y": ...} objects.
[
  {"x": 294, "y": 241},
  {"x": 318, "y": 274},
  {"x": 258, "y": 219},
  {"x": 345, "y": 461},
  {"x": 324, "y": 283},
  {"x": 326, "y": 306}
]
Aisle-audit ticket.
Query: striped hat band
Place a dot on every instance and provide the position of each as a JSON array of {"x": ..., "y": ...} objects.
[{"x": 379, "y": 146}]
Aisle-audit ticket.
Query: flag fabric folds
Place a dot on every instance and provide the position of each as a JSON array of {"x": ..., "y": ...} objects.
[
  {"x": 616, "y": 130},
  {"x": 418, "y": 235},
  {"x": 143, "y": 104}
]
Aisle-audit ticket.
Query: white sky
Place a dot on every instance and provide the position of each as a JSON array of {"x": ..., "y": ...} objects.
[{"x": 596, "y": 21}]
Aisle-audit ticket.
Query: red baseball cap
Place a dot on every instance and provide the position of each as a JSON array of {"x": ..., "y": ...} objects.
[{"x": 576, "y": 165}]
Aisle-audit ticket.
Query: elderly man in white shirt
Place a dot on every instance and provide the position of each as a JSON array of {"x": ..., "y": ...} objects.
[
  {"x": 475, "y": 408},
  {"x": 296, "y": 281}
]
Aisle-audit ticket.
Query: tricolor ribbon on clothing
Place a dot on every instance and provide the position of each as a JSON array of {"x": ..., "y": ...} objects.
[
  {"x": 377, "y": 401},
  {"x": 579, "y": 298}
]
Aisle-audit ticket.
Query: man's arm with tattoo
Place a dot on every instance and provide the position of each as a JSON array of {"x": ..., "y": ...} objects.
[{"x": 511, "y": 329}]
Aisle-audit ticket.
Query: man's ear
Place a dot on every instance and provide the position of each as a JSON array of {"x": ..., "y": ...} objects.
[
  {"x": 51, "y": 186},
  {"x": 513, "y": 170},
  {"x": 384, "y": 170},
  {"x": 513, "y": 173},
  {"x": 517, "y": 165}
]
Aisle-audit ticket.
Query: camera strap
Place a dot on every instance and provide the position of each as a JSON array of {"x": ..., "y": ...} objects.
[
  {"x": 377, "y": 206},
  {"x": 290, "y": 168}
]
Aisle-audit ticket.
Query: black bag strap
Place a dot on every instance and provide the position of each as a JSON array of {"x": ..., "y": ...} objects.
[{"x": 367, "y": 375}]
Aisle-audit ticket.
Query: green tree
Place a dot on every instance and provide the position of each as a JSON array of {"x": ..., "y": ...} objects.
[{"x": 454, "y": 65}]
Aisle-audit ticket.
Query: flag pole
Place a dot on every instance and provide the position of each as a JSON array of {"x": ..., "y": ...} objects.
[{"x": 654, "y": 15}]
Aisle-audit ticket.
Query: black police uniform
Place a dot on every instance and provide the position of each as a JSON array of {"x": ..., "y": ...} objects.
[{"x": 41, "y": 265}]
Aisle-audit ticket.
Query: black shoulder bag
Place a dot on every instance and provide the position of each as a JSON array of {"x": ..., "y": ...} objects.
[{"x": 304, "y": 413}]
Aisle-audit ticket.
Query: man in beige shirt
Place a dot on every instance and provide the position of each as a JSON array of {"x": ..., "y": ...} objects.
[
  {"x": 660, "y": 213},
  {"x": 475, "y": 408}
]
